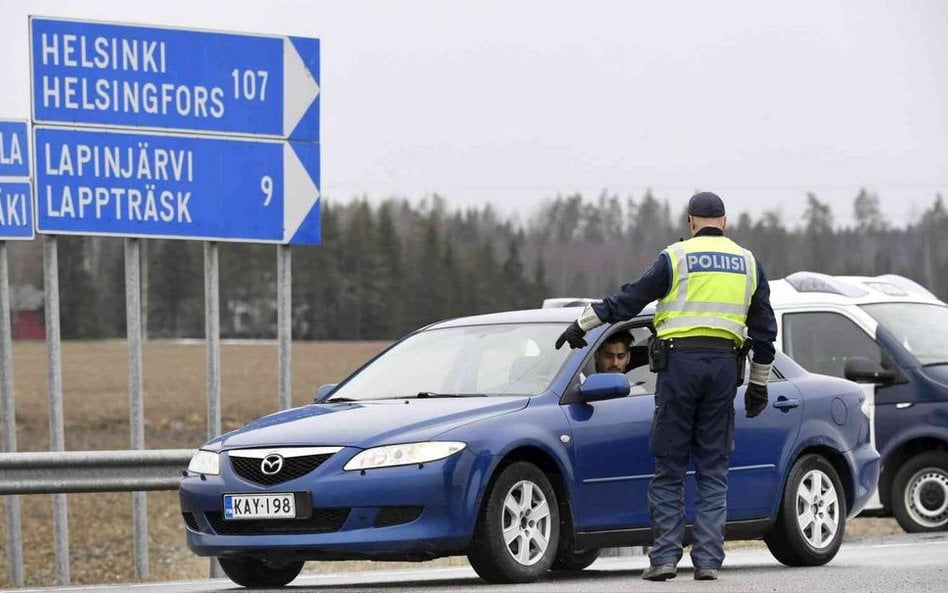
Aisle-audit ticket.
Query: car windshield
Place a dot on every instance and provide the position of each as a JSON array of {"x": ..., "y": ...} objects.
[
  {"x": 502, "y": 359},
  {"x": 920, "y": 328}
]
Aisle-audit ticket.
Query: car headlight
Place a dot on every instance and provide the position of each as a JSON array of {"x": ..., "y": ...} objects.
[
  {"x": 406, "y": 454},
  {"x": 205, "y": 462}
]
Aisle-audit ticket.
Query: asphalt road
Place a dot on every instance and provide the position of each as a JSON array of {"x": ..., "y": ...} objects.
[{"x": 910, "y": 563}]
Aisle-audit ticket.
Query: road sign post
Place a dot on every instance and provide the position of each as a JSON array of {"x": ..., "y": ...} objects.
[
  {"x": 108, "y": 75},
  {"x": 14, "y": 149},
  {"x": 150, "y": 132},
  {"x": 94, "y": 182},
  {"x": 16, "y": 222},
  {"x": 16, "y": 208}
]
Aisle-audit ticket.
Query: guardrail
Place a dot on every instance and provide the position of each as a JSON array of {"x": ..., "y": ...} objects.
[{"x": 68, "y": 472}]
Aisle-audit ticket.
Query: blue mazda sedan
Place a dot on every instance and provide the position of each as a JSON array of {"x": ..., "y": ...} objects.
[{"x": 476, "y": 437}]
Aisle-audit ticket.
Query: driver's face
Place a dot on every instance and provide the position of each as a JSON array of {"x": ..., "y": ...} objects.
[{"x": 612, "y": 358}]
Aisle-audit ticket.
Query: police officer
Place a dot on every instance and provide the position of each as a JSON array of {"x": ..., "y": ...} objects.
[{"x": 709, "y": 290}]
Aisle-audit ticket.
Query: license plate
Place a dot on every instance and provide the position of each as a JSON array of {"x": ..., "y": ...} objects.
[{"x": 260, "y": 506}]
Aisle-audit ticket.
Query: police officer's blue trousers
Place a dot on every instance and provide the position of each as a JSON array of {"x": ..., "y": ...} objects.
[{"x": 694, "y": 418}]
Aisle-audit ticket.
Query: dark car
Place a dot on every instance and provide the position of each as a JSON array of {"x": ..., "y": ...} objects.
[{"x": 476, "y": 437}]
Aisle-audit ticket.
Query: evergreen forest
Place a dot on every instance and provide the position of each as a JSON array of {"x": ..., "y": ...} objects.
[{"x": 384, "y": 269}]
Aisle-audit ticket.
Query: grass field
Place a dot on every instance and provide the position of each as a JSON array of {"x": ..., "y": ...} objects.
[{"x": 96, "y": 415}]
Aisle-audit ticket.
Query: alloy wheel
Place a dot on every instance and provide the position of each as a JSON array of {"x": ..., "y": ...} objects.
[
  {"x": 526, "y": 522},
  {"x": 818, "y": 509}
]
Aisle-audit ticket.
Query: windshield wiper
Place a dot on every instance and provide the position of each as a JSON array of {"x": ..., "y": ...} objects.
[{"x": 427, "y": 394}]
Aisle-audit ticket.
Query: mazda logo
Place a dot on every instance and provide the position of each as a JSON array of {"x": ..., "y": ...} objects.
[{"x": 271, "y": 464}]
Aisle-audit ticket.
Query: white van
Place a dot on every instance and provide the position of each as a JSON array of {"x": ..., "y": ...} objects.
[{"x": 891, "y": 335}]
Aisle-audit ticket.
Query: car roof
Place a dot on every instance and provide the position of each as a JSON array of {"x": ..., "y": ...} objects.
[
  {"x": 799, "y": 288},
  {"x": 814, "y": 288},
  {"x": 547, "y": 315},
  {"x": 803, "y": 288}
]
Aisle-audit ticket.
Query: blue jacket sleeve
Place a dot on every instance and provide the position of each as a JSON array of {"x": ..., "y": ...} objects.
[
  {"x": 761, "y": 321},
  {"x": 632, "y": 298}
]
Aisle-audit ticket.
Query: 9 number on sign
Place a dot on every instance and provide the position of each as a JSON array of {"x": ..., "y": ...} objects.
[
  {"x": 266, "y": 186},
  {"x": 249, "y": 84}
]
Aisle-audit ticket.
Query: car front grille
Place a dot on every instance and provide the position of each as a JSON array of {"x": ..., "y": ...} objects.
[
  {"x": 323, "y": 520},
  {"x": 248, "y": 468}
]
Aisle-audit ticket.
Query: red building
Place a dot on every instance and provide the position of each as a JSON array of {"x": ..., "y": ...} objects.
[{"x": 27, "y": 313}]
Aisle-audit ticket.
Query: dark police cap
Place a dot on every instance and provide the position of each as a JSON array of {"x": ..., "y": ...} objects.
[{"x": 706, "y": 205}]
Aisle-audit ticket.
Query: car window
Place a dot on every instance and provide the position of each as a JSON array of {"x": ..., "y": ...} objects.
[
  {"x": 641, "y": 380},
  {"x": 501, "y": 359},
  {"x": 920, "y": 328},
  {"x": 822, "y": 342}
]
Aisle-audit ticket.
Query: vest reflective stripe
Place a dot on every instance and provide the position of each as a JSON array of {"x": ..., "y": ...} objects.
[
  {"x": 681, "y": 266},
  {"x": 751, "y": 280},
  {"x": 707, "y": 307},
  {"x": 725, "y": 315},
  {"x": 704, "y": 321}
]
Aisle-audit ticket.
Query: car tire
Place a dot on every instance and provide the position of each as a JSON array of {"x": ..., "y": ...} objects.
[
  {"x": 920, "y": 493},
  {"x": 520, "y": 503},
  {"x": 812, "y": 515},
  {"x": 574, "y": 560},
  {"x": 256, "y": 573}
]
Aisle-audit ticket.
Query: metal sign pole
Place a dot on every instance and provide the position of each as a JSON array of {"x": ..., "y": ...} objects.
[
  {"x": 285, "y": 324},
  {"x": 8, "y": 411},
  {"x": 54, "y": 381},
  {"x": 15, "y": 194},
  {"x": 133, "y": 309},
  {"x": 144, "y": 289},
  {"x": 212, "y": 337}
]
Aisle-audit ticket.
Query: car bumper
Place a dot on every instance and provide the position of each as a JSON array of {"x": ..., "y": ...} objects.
[
  {"x": 865, "y": 463},
  {"x": 388, "y": 513}
]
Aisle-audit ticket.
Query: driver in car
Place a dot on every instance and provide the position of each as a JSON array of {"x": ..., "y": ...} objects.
[{"x": 614, "y": 354}]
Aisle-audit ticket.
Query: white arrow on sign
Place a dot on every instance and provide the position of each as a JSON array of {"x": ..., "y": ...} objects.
[
  {"x": 299, "y": 87},
  {"x": 300, "y": 193}
]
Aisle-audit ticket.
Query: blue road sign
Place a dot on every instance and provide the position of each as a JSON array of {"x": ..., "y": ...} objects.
[
  {"x": 100, "y": 74},
  {"x": 14, "y": 149},
  {"x": 16, "y": 210},
  {"x": 96, "y": 182}
]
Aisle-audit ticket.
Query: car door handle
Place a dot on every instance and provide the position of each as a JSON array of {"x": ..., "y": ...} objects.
[{"x": 785, "y": 404}]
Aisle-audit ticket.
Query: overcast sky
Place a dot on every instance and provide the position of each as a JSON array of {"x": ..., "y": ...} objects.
[{"x": 512, "y": 102}]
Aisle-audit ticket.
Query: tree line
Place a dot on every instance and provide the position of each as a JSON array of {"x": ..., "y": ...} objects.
[{"x": 383, "y": 270}]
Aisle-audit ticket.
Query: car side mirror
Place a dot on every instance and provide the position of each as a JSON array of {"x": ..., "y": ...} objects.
[
  {"x": 602, "y": 386},
  {"x": 324, "y": 390},
  {"x": 865, "y": 370}
]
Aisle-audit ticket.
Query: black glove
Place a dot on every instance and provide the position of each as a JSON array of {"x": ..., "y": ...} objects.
[
  {"x": 574, "y": 335},
  {"x": 755, "y": 399}
]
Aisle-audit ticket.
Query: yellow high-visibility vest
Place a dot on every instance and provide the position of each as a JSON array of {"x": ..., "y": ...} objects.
[{"x": 713, "y": 280}]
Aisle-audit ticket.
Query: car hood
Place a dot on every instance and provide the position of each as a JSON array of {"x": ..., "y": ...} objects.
[{"x": 368, "y": 423}]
